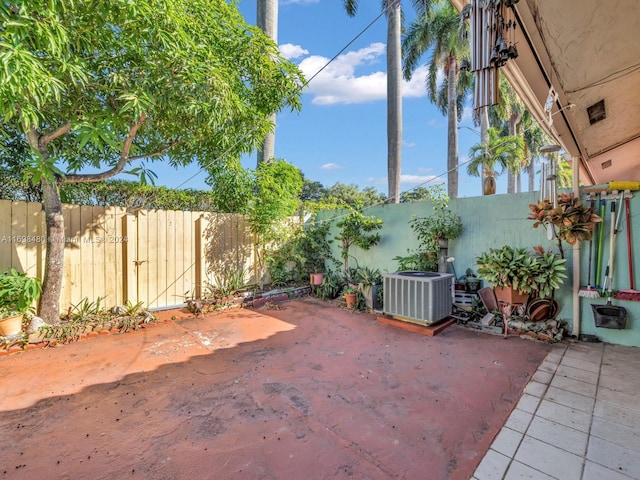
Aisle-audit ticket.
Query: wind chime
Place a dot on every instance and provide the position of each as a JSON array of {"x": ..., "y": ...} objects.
[{"x": 493, "y": 38}]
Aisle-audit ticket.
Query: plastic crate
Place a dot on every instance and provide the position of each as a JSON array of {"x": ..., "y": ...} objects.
[{"x": 462, "y": 299}]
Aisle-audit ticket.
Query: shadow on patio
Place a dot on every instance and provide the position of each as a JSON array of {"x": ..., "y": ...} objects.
[{"x": 320, "y": 392}]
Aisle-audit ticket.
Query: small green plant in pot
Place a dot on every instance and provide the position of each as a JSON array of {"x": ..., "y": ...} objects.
[
  {"x": 350, "y": 296},
  {"x": 434, "y": 231},
  {"x": 369, "y": 281},
  {"x": 315, "y": 248},
  {"x": 18, "y": 293}
]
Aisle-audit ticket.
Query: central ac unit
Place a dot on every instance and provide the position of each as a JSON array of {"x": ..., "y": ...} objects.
[{"x": 419, "y": 297}]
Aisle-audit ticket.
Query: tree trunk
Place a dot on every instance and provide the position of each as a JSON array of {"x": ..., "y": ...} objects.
[
  {"x": 484, "y": 139},
  {"x": 267, "y": 20},
  {"x": 452, "y": 137},
  {"x": 532, "y": 174},
  {"x": 394, "y": 100},
  {"x": 514, "y": 119},
  {"x": 49, "y": 307}
]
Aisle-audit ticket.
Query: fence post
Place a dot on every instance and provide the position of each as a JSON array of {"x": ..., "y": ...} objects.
[
  {"x": 199, "y": 256},
  {"x": 129, "y": 257}
]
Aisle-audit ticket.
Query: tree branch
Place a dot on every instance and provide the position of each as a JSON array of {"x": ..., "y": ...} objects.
[
  {"x": 159, "y": 153},
  {"x": 124, "y": 159},
  {"x": 58, "y": 132}
]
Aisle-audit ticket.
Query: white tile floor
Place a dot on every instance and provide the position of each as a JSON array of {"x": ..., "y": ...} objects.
[{"x": 578, "y": 419}]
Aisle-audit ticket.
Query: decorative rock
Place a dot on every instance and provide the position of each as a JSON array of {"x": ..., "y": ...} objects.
[
  {"x": 119, "y": 310},
  {"x": 36, "y": 323}
]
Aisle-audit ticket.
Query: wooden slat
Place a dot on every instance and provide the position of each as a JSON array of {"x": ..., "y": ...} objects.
[
  {"x": 19, "y": 234},
  {"x": 130, "y": 251},
  {"x": 155, "y": 219},
  {"x": 142, "y": 260},
  {"x": 179, "y": 251},
  {"x": 6, "y": 240},
  {"x": 172, "y": 295}
]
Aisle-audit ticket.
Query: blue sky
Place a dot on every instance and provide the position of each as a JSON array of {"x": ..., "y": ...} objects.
[{"x": 340, "y": 133}]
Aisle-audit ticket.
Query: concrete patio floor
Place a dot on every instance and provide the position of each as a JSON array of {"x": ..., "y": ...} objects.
[
  {"x": 579, "y": 419},
  {"x": 309, "y": 391}
]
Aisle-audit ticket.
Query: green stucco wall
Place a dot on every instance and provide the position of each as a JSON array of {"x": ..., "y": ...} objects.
[{"x": 497, "y": 220}]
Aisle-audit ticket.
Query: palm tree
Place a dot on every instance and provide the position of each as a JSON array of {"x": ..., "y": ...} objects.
[
  {"x": 267, "y": 20},
  {"x": 534, "y": 138},
  {"x": 393, "y": 11},
  {"x": 442, "y": 30},
  {"x": 503, "y": 152},
  {"x": 508, "y": 113}
]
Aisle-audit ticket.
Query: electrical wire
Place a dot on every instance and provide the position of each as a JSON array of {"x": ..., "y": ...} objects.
[{"x": 302, "y": 87}]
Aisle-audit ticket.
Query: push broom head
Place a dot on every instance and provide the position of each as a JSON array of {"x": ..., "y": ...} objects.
[
  {"x": 589, "y": 292},
  {"x": 628, "y": 295}
]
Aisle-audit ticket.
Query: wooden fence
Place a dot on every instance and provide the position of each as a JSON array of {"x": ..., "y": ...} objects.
[{"x": 119, "y": 254}]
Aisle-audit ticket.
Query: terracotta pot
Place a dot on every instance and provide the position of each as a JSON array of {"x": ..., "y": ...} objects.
[
  {"x": 11, "y": 325},
  {"x": 351, "y": 299},
  {"x": 316, "y": 278},
  {"x": 510, "y": 296}
]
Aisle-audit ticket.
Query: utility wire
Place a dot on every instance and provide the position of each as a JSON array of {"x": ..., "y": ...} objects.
[{"x": 302, "y": 87}]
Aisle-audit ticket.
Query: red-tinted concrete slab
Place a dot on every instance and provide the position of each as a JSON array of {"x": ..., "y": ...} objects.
[
  {"x": 310, "y": 391},
  {"x": 429, "y": 330}
]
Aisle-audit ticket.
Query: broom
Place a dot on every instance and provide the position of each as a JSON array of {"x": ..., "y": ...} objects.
[
  {"x": 589, "y": 291},
  {"x": 630, "y": 293}
]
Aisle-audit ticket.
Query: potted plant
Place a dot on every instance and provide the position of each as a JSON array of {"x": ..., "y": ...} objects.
[
  {"x": 515, "y": 273},
  {"x": 571, "y": 220},
  {"x": 350, "y": 296},
  {"x": 315, "y": 248},
  {"x": 442, "y": 225},
  {"x": 435, "y": 231},
  {"x": 18, "y": 292},
  {"x": 369, "y": 280},
  {"x": 359, "y": 230}
]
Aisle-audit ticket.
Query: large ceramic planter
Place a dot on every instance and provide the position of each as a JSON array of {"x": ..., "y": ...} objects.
[
  {"x": 11, "y": 325},
  {"x": 510, "y": 296},
  {"x": 370, "y": 294}
]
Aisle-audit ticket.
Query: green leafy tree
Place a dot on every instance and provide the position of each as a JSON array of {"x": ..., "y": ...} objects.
[
  {"x": 441, "y": 31},
  {"x": 277, "y": 189},
  {"x": 343, "y": 195},
  {"x": 232, "y": 187},
  {"x": 105, "y": 82},
  {"x": 359, "y": 230}
]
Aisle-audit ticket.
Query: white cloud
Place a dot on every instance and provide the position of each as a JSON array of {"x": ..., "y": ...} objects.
[
  {"x": 289, "y": 51},
  {"x": 330, "y": 166},
  {"x": 417, "y": 86},
  {"x": 418, "y": 180},
  {"x": 339, "y": 82}
]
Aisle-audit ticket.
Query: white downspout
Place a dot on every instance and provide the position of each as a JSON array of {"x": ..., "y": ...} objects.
[{"x": 575, "y": 165}]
